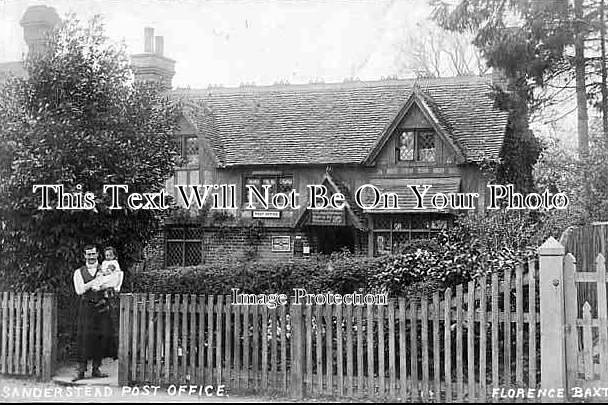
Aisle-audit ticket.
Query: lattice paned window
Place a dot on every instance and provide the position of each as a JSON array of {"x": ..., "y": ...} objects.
[
  {"x": 400, "y": 240},
  {"x": 272, "y": 182},
  {"x": 382, "y": 222},
  {"x": 400, "y": 223},
  {"x": 426, "y": 146},
  {"x": 392, "y": 233},
  {"x": 382, "y": 243},
  {"x": 184, "y": 246},
  {"x": 438, "y": 224},
  {"x": 420, "y": 222},
  {"x": 406, "y": 145},
  {"x": 187, "y": 173},
  {"x": 416, "y": 145},
  {"x": 254, "y": 181},
  {"x": 277, "y": 183},
  {"x": 285, "y": 184},
  {"x": 190, "y": 151},
  {"x": 174, "y": 253}
]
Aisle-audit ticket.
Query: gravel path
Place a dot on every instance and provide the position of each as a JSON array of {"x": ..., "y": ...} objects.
[
  {"x": 62, "y": 389},
  {"x": 19, "y": 390},
  {"x": 16, "y": 389}
]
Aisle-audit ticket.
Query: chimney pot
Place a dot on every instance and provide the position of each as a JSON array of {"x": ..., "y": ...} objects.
[
  {"x": 159, "y": 45},
  {"x": 37, "y": 22},
  {"x": 148, "y": 40},
  {"x": 152, "y": 65}
]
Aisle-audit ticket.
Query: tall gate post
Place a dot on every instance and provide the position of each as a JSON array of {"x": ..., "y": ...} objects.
[
  {"x": 552, "y": 316},
  {"x": 123, "y": 340},
  {"x": 49, "y": 335},
  {"x": 297, "y": 345}
]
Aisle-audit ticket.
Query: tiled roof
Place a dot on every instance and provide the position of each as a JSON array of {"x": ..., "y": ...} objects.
[
  {"x": 337, "y": 123},
  {"x": 355, "y": 212},
  {"x": 358, "y": 218}
]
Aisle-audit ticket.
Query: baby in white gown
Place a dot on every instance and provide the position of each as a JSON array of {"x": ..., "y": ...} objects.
[{"x": 109, "y": 277}]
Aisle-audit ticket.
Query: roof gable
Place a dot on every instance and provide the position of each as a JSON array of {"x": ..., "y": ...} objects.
[
  {"x": 354, "y": 211},
  {"x": 416, "y": 100},
  {"x": 201, "y": 121},
  {"x": 414, "y": 119}
]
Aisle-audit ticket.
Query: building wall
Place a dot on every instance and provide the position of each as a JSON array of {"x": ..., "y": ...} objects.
[
  {"x": 230, "y": 240},
  {"x": 222, "y": 245},
  {"x": 236, "y": 243},
  {"x": 385, "y": 166}
]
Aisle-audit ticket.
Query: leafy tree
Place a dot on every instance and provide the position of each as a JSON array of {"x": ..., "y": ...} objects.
[
  {"x": 78, "y": 120},
  {"x": 525, "y": 41},
  {"x": 583, "y": 178}
]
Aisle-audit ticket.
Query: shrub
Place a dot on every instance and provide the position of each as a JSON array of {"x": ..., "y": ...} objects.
[
  {"x": 78, "y": 121},
  {"x": 474, "y": 246}
]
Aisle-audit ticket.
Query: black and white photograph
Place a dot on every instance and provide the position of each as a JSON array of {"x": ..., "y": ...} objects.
[{"x": 303, "y": 201}]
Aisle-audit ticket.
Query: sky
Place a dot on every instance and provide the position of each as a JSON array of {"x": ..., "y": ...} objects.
[
  {"x": 255, "y": 42},
  {"x": 262, "y": 42}
]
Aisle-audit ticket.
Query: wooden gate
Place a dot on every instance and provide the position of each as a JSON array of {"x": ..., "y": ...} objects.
[
  {"x": 586, "y": 308},
  {"x": 28, "y": 334},
  {"x": 586, "y": 323}
]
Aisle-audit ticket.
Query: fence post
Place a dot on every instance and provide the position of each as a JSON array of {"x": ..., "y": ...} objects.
[
  {"x": 552, "y": 317},
  {"x": 297, "y": 343},
  {"x": 123, "y": 348},
  {"x": 48, "y": 336},
  {"x": 55, "y": 335}
]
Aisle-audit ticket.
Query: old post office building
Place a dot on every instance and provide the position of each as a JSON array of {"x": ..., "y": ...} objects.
[{"x": 388, "y": 133}]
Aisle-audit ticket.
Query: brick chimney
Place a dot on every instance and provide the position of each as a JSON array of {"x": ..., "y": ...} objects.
[
  {"x": 37, "y": 22},
  {"x": 152, "y": 65}
]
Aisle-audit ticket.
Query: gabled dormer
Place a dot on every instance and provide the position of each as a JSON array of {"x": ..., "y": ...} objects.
[
  {"x": 416, "y": 142},
  {"x": 198, "y": 162},
  {"x": 416, "y": 137},
  {"x": 188, "y": 170}
]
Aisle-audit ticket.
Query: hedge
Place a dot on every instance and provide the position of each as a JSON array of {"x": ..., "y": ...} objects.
[
  {"x": 339, "y": 273},
  {"x": 475, "y": 246}
]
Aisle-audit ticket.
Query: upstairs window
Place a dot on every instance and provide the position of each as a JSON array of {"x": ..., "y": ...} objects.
[
  {"x": 187, "y": 173},
  {"x": 415, "y": 146},
  {"x": 277, "y": 183},
  {"x": 189, "y": 151}
]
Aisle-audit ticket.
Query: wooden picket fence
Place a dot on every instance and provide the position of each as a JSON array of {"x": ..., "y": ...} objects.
[
  {"x": 587, "y": 317},
  {"x": 586, "y": 305},
  {"x": 28, "y": 334},
  {"x": 452, "y": 346},
  {"x": 585, "y": 243}
]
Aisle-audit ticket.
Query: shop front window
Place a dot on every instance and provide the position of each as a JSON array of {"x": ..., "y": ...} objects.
[{"x": 392, "y": 233}]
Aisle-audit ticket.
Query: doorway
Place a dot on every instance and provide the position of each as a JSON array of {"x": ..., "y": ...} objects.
[{"x": 334, "y": 238}]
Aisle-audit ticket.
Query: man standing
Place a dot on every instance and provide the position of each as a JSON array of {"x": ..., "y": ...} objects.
[{"x": 95, "y": 327}]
